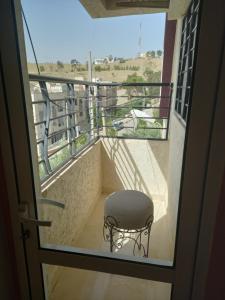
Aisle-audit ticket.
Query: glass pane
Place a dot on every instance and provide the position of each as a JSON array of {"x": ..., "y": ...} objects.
[
  {"x": 120, "y": 133},
  {"x": 69, "y": 284}
]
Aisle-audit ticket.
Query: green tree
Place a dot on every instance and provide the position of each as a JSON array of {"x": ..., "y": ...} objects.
[
  {"x": 159, "y": 53},
  {"x": 152, "y": 77},
  {"x": 122, "y": 60},
  {"x": 60, "y": 64},
  {"x": 98, "y": 68},
  {"x": 153, "y": 53},
  {"x": 134, "y": 78},
  {"x": 42, "y": 68}
]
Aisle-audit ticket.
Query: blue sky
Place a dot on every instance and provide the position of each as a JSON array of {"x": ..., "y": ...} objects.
[{"x": 63, "y": 30}]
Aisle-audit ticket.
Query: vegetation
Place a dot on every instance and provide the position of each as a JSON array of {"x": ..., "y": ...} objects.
[
  {"x": 60, "y": 65},
  {"x": 58, "y": 158},
  {"x": 42, "y": 68},
  {"x": 81, "y": 141},
  {"x": 110, "y": 131},
  {"x": 81, "y": 69},
  {"x": 99, "y": 68},
  {"x": 142, "y": 132},
  {"x": 159, "y": 53},
  {"x": 123, "y": 68},
  {"x": 126, "y": 68},
  {"x": 153, "y": 77},
  {"x": 63, "y": 155},
  {"x": 134, "y": 78},
  {"x": 121, "y": 60}
]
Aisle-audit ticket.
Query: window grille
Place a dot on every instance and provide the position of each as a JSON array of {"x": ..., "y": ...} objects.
[{"x": 186, "y": 61}]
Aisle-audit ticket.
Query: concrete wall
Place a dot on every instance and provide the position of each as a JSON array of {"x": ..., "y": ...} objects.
[
  {"x": 78, "y": 187},
  {"x": 135, "y": 164},
  {"x": 176, "y": 144}
]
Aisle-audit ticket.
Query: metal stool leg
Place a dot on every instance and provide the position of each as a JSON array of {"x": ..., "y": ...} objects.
[
  {"x": 111, "y": 238},
  {"x": 139, "y": 247},
  {"x": 149, "y": 230}
]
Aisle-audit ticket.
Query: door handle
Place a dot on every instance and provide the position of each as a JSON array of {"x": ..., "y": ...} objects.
[
  {"x": 36, "y": 221},
  {"x": 24, "y": 216}
]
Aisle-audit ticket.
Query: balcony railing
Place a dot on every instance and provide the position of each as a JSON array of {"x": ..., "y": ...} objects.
[{"x": 70, "y": 115}]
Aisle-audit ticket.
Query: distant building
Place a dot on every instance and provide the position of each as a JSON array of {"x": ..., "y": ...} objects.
[
  {"x": 108, "y": 94},
  {"x": 99, "y": 61},
  {"x": 142, "y": 55},
  {"x": 107, "y": 60},
  {"x": 58, "y": 96}
]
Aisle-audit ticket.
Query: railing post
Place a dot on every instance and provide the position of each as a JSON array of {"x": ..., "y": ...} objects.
[
  {"x": 70, "y": 111},
  {"x": 89, "y": 99},
  {"x": 47, "y": 111},
  {"x": 97, "y": 109},
  {"x": 103, "y": 121},
  {"x": 168, "y": 118}
]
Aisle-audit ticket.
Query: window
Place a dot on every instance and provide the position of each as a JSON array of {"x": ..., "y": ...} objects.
[
  {"x": 54, "y": 114},
  {"x": 41, "y": 115},
  {"x": 60, "y": 122},
  {"x": 187, "y": 51},
  {"x": 60, "y": 108},
  {"x": 80, "y": 108},
  {"x": 56, "y": 138}
]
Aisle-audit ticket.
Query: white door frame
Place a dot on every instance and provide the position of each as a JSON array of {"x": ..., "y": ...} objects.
[{"x": 202, "y": 153}]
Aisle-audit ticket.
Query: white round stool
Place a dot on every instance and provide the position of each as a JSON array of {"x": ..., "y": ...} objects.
[{"x": 130, "y": 214}]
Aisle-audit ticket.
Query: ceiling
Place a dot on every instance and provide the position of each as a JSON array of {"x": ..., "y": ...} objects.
[{"x": 113, "y": 8}]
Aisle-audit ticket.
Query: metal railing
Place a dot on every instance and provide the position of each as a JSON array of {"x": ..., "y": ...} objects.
[
  {"x": 136, "y": 111},
  {"x": 69, "y": 115}
]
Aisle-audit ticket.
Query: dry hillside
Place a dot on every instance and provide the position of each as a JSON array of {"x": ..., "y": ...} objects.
[{"x": 107, "y": 72}]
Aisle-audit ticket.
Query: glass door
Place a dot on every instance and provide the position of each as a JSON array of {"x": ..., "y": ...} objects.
[{"x": 61, "y": 228}]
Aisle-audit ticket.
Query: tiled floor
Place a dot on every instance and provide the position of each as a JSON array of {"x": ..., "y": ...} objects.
[{"x": 74, "y": 284}]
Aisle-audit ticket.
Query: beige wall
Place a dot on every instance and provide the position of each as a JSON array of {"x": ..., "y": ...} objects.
[
  {"x": 107, "y": 166},
  {"x": 135, "y": 164},
  {"x": 78, "y": 187},
  {"x": 176, "y": 144}
]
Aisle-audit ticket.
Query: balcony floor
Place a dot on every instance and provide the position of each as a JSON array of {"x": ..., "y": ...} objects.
[{"x": 87, "y": 285}]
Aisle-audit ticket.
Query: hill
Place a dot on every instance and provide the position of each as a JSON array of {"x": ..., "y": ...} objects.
[{"x": 108, "y": 72}]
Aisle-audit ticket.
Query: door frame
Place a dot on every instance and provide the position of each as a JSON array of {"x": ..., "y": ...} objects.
[{"x": 203, "y": 152}]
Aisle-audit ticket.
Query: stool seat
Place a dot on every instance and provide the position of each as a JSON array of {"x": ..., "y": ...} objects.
[{"x": 129, "y": 209}]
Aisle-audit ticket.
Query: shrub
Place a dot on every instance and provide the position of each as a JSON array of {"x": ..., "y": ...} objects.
[{"x": 42, "y": 68}]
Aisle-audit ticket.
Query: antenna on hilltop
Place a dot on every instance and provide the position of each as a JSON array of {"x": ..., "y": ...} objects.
[{"x": 140, "y": 38}]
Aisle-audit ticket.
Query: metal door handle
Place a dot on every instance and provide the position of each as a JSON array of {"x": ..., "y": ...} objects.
[
  {"x": 24, "y": 216},
  {"x": 36, "y": 222}
]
